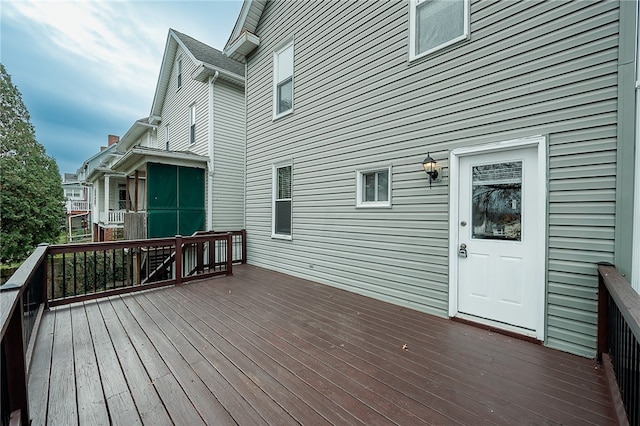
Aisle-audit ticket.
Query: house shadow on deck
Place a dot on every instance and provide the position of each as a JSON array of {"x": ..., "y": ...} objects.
[{"x": 261, "y": 347}]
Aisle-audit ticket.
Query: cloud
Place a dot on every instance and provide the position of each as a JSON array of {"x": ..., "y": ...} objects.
[
  {"x": 89, "y": 68},
  {"x": 108, "y": 40}
]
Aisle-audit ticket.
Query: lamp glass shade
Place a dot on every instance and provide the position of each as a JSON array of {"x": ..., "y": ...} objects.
[{"x": 429, "y": 164}]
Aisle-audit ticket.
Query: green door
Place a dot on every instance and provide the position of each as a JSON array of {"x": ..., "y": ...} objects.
[{"x": 175, "y": 202}]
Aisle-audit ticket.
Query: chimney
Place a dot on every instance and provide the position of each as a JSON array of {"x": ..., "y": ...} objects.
[{"x": 113, "y": 139}]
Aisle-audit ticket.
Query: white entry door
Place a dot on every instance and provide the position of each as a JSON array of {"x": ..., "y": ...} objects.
[{"x": 499, "y": 238}]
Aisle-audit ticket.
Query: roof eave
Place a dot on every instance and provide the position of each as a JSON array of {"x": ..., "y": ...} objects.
[
  {"x": 138, "y": 157},
  {"x": 203, "y": 72},
  {"x": 133, "y": 134},
  {"x": 242, "y": 46}
]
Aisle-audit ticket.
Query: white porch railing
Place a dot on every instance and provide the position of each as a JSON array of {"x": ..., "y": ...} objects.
[
  {"x": 112, "y": 216},
  {"x": 77, "y": 206}
]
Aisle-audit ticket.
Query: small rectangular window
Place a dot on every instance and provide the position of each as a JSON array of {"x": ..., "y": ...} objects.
[
  {"x": 283, "y": 80},
  {"x": 282, "y": 199},
  {"x": 166, "y": 137},
  {"x": 373, "y": 188},
  {"x": 192, "y": 124},
  {"x": 435, "y": 24},
  {"x": 179, "y": 72}
]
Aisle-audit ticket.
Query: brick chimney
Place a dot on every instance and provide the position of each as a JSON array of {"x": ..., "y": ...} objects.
[{"x": 113, "y": 139}]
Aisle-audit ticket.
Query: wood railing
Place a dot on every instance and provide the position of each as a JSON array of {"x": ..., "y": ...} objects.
[
  {"x": 77, "y": 272},
  {"x": 21, "y": 304},
  {"x": 619, "y": 338},
  {"x": 112, "y": 216},
  {"x": 77, "y": 206},
  {"x": 59, "y": 274}
]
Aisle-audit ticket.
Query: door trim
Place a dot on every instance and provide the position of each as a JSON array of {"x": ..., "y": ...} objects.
[{"x": 540, "y": 142}]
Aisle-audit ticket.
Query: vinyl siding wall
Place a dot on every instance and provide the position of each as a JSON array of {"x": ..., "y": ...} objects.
[
  {"x": 228, "y": 177},
  {"x": 529, "y": 68},
  {"x": 228, "y": 184},
  {"x": 175, "y": 110}
]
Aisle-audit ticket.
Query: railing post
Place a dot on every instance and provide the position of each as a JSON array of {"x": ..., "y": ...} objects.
[
  {"x": 603, "y": 318},
  {"x": 14, "y": 350},
  {"x": 45, "y": 276},
  {"x": 178, "y": 259},
  {"x": 229, "y": 253},
  {"x": 244, "y": 245}
]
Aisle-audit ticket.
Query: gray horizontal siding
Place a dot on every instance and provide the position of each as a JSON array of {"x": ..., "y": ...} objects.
[
  {"x": 228, "y": 178},
  {"x": 529, "y": 68}
]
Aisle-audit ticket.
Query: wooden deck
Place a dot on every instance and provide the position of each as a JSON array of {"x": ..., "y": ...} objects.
[{"x": 265, "y": 348}]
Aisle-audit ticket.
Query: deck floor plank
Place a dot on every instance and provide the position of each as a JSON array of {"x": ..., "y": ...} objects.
[
  {"x": 261, "y": 347},
  {"x": 242, "y": 397},
  {"x": 329, "y": 397},
  {"x": 92, "y": 409},
  {"x": 62, "y": 407},
  {"x": 547, "y": 394},
  {"x": 167, "y": 344},
  {"x": 40, "y": 370},
  {"x": 155, "y": 358},
  {"x": 369, "y": 366},
  {"x": 120, "y": 405},
  {"x": 302, "y": 402},
  {"x": 145, "y": 397},
  {"x": 345, "y": 385},
  {"x": 232, "y": 400}
]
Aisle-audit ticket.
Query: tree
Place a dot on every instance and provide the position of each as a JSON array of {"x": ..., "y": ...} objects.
[{"x": 31, "y": 195}]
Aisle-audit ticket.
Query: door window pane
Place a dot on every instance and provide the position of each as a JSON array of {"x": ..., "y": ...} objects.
[{"x": 496, "y": 200}]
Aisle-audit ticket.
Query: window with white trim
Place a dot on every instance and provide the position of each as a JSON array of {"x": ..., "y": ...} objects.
[
  {"x": 179, "y": 73},
  {"x": 192, "y": 124},
  {"x": 166, "y": 137},
  {"x": 373, "y": 187},
  {"x": 281, "y": 207},
  {"x": 73, "y": 193},
  {"x": 283, "y": 80},
  {"x": 436, "y": 24}
]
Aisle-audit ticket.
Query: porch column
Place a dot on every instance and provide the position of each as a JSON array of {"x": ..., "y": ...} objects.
[
  {"x": 135, "y": 195},
  {"x": 106, "y": 197},
  {"x": 127, "y": 194}
]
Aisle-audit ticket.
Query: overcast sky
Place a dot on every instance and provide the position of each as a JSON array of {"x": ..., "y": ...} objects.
[{"x": 87, "y": 69}]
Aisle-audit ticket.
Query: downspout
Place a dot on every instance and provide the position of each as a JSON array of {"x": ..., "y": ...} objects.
[
  {"x": 244, "y": 206},
  {"x": 212, "y": 79},
  {"x": 635, "y": 271}
]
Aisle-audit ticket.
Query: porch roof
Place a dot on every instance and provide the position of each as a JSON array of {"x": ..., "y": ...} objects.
[{"x": 137, "y": 158}]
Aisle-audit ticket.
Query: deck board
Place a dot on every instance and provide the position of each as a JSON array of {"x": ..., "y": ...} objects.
[{"x": 261, "y": 347}]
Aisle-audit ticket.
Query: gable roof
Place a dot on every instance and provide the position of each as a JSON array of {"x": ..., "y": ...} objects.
[
  {"x": 207, "y": 59},
  {"x": 243, "y": 38},
  {"x": 203, "y": 53}
]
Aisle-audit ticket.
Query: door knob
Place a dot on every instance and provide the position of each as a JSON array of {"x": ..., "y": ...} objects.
[{"x": 463, "y": 250}]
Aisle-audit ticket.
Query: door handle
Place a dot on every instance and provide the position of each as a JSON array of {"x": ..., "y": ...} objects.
[{"x": 463, "y": 250}]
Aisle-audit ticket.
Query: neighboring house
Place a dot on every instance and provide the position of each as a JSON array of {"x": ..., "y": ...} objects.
[
  {"x": 77, "y": 206},
  {"x": 109, "y": 192},
  {"x": 528, "y": 110},
  {"x": 185, "y": 161}
]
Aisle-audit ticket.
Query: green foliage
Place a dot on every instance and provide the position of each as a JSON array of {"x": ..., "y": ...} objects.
[
  {"x": 31, "y": 195},
  {"x": 90, "y": 272}
]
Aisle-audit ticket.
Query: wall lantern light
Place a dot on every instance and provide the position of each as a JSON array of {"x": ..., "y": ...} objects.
[{"x": 432, "y": 169}]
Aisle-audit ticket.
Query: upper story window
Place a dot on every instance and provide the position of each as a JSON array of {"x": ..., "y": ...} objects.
[
  {"x": 373, "y": 187},
  {"x": 166, "y": 137},
  {"x": 283, "y": 80},
  {"x": 281, "y": 207},
  {"x": 73, "y": 193},
  {"x": 435, "y": 24},
  {"x": 179, "y": 77},
  {"x": 192, "y": 124}
]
